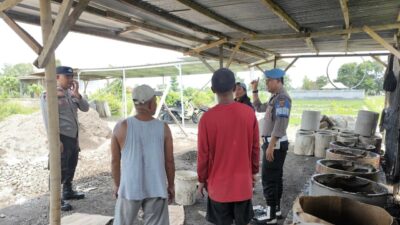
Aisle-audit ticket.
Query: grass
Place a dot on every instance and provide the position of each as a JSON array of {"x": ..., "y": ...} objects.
[
  {"x": 9, "y": 108},
  {"x": 335, "y": 107}
]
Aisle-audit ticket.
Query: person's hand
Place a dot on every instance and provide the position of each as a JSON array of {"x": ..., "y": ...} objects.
[
  {"x": 115, "y": 192},
  {"x": 254, "y": 84},
  {"x": 171, "y": 194},
  {"x": 270, "y": 153},
  {"x": 200, "y": 189},
  {"x": 254, "y": 179},
  {"x": 75, "y": 89}
]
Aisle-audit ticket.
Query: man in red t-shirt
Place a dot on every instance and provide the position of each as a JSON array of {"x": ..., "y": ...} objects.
[{"x": 228, "y": 154}]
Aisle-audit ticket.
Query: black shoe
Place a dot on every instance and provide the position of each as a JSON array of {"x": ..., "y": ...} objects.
[
  {"x": 65, "y": 206},
  {"x": 67, "y": 195}
]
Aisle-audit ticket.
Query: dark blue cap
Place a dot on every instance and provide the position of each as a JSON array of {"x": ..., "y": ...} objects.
[
  {"x": 65, "y": 70},
  {"x": 223, "y": 80},
  {"x": 274, "y": 73}
]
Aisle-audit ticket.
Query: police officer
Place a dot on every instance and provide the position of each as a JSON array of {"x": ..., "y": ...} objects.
[
  {"x": 69, "y": 101},
  {"x": 275, "y": 141}
]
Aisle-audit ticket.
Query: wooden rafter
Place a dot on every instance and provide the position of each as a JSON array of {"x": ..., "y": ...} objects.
[
  {"x": 234, "y": 53},
  {"x": 129, "y": 30},
  {"x": 7, "y": 4},
  {"x": 381, "y": 41},
  {"x": 379, "y": 60},
  {"x": 282, "y": 14},
  {"x": 205, "y": 11},
  {"x": 397, "y": 34},
  {"x": 346, "y": 17},
  {"x": 311, "y": 45},
  {"x": 207, "y": 46},
  {"x": 291, "y": 64},
  {"x": 61, "y": 27},
  {"x": 259, "y": 67},
  {"x": 204, "y": 61},
  {"x": 33, "y": 44},
  {"x": 327, "y": 33}
]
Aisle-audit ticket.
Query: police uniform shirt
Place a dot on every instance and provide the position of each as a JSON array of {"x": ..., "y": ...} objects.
[
  {"x": 277, "y": 112},
  {"x": 68, "y": 106}
]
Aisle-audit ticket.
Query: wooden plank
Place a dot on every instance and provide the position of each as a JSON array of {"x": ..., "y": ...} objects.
[
  {"x": 282, "y": 14},
  {"x": 61, "y": 27},
  {"x": 379, "y": 60},
  {"x": 291, "y": 64},
  {"x": 311, "y": 45},
  {"x": 259, "y": 67},
  {"x": 205, "y": 11},
  {"x": 53, "y": 129},
  {"x": 221, "y": 56},
  {"x": 129, "y": 30},
  {"x": 234, "y": 53},
  {"x": 381, "y": 41},
  {"x": 207, "y": 46},
  {"x": 25, "y": 36},
  {"x": 8, "y": 4},
  {"x": 203, "y": 60},
  {"x": 345, "y": 11},
  {"x": 87, "y": 219}
]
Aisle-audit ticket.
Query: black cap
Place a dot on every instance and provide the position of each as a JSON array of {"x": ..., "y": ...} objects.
[
  {"x": 223, "y": 80},
  {"x": 65, "y": 70}
]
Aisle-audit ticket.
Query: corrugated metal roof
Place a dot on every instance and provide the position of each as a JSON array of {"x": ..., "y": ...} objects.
[{"x": 177, "y": 26}]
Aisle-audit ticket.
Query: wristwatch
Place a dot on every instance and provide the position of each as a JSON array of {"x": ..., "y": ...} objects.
[{"x": 255, "y": 91}]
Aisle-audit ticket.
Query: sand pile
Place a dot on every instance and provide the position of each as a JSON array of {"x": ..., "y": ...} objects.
[{"x": 25, "y": 135}]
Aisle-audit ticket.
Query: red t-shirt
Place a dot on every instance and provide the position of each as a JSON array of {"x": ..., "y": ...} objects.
[{"x": 228, "y": 152}]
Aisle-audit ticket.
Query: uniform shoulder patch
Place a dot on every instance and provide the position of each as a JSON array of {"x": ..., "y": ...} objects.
[{"x": 282, "y": 107}]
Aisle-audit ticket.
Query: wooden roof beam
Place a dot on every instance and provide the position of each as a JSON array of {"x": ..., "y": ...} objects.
[
  {"x": 233, "y": 53},
  {"x": 207, "y": 46},
  {"x": 61, "y": 27},
  {"x": 376, "y": 58},
  {"x": 282, "y": 14},
  {"x": 25, "y": 36},
  {"x": 346, "y": 17},
  {"x": 311, "y": 45},
  {"x": 205, "y": 11},
  {"x": 291, "y": 64},
  {"x": 381, "y": 41},
  {"x": 8, "y": 4}
]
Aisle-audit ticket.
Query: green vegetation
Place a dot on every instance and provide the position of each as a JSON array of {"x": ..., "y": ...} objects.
[
  {"x": 335, "y": 107},
  {"x": 8, "y": 108}
]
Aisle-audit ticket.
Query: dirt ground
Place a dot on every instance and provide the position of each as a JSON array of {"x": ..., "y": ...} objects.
[{"x": 24, "y": 184}]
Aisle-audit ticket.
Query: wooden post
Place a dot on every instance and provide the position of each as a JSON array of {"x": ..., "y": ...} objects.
[
  {"x": 381, "y": 41},
  {"x": 53, "y": 132},
  {"x": 221, "y": 56}
]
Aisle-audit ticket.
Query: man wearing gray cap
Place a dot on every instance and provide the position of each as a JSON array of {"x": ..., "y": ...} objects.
[
  {"x": 275, "y": 141},
  {"x": 142, "y": 163},
  {"x": 69, "y": 101}
]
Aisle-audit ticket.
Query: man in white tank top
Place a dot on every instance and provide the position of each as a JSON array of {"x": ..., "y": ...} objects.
[{"x": 142, "y": 163}]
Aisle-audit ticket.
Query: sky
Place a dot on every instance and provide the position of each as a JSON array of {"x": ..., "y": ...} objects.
[{"x": 85, "y": 51}]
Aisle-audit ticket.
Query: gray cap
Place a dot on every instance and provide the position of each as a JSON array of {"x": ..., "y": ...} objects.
[{"x": 144, "y": 93}]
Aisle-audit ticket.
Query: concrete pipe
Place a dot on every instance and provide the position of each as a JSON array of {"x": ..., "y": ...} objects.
[
  {"x": 336, "y": 144},
  {"x": 366, "y": 123},
  {"x": 348, "y": 168},
  {"x": 357, "y": 155},
  {"x": 352, "y": 187},
  {"x": 304, "y": 143},
  {"x": 368, "y": 141},
  {"x": 322, "y": 140},
  {"x": 310, "y": 120},
  {"x": 328, "y": 210}
]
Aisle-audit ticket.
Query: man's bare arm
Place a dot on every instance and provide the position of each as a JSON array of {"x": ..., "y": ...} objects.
[
  {"x": 117, "y": 140},
  {"x": 169, "y": 162}
]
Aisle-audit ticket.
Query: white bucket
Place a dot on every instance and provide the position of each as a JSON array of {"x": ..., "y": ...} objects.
[{"x": 185, "y": 187}]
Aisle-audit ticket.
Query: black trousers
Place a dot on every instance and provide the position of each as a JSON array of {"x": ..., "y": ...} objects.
[
  {"x": 272, "y": 173},
  {"x": 69, "y": 159}
]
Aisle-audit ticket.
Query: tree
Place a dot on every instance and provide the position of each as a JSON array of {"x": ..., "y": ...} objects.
[
  {"x": 287, "y": 83},
  {"x": 16, "y": 70},
  {"x": 321, "y": 81},
  {"x": 9, "y": 86},
  {"x": 308, "y": 84},
  {"x": 174, "y": 83},
  {"x": 350, "y": 74}
]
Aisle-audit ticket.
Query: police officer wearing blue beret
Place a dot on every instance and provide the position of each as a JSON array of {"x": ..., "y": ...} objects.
[
  {"x": 69, "y": 101},
  {"x": 275, "y": 141}
]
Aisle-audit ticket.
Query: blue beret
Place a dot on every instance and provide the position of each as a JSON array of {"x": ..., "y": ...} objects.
[
  {"x": 274, "y": 73},
  {"x": 65, "y": 70}
]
